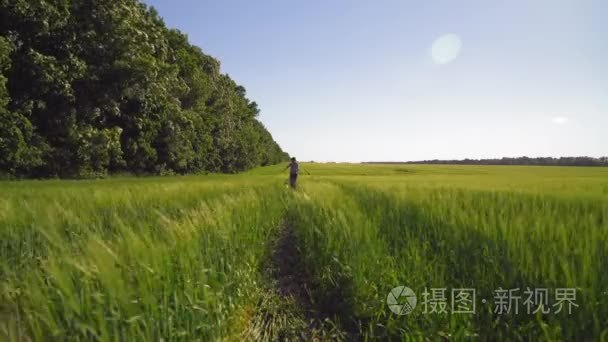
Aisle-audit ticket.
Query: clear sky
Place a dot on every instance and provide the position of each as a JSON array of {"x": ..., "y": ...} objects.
[{"x": 354, "y": 80}]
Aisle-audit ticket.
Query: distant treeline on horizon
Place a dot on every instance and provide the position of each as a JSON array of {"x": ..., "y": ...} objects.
[{"x": 541, "y": 161}]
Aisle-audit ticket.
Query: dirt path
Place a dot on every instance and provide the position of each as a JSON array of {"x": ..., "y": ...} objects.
[
  {"x": 288, "y": 268},
  {"x": 286, "y": 312},
  {"x": 289, "y": 275},
  {"x": 289, "y": 314}
]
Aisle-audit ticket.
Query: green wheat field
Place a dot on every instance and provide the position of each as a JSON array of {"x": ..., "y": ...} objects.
[{"x": 195, "y": 257}]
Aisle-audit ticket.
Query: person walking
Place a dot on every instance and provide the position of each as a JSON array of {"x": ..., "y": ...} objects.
[{"x": 294, "y": 169}]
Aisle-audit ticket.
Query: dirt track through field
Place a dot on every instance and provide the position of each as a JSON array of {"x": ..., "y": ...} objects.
[
  {"x": 291, "y": 278},
  {"x": 288, "y": 272},
  {"x": 289, "y": 269}
]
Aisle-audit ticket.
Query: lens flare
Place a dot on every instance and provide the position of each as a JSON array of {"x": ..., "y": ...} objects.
[{"x": 446, "y": 48}]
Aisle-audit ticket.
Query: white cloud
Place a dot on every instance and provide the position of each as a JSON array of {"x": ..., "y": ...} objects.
[{"x": 560, "y": 120}]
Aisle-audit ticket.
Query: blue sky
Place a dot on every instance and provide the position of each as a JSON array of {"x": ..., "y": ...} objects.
[{"x": 350, "y": 80}]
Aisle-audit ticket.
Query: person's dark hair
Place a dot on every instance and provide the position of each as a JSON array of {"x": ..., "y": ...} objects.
[{"x": 293, "y": 158}]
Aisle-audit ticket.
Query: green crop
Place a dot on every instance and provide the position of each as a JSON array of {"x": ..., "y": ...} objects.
[{"x": 191, "y": 258}]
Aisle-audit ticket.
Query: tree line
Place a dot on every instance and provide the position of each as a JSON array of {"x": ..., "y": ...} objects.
[
  {"x": 541, "y": 161},
  {"x": 90, "y": 87}
]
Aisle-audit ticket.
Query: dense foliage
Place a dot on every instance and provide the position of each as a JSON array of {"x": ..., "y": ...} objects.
[
  {"x": 544, "y": 161},
  {"x": 89, "y": 87}
]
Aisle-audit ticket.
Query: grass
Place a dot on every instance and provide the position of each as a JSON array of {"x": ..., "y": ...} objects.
[{"x": 183, "y": 258}]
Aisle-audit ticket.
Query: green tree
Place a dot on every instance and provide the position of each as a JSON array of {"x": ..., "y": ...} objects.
[{"x": 89, "y": 87}]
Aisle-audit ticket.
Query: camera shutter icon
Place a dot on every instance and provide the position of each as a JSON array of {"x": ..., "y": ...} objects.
[{"x": 401, "y": 300}]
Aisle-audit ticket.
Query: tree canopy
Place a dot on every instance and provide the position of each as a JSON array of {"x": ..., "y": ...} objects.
[{"x": 89, "y": 87}]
